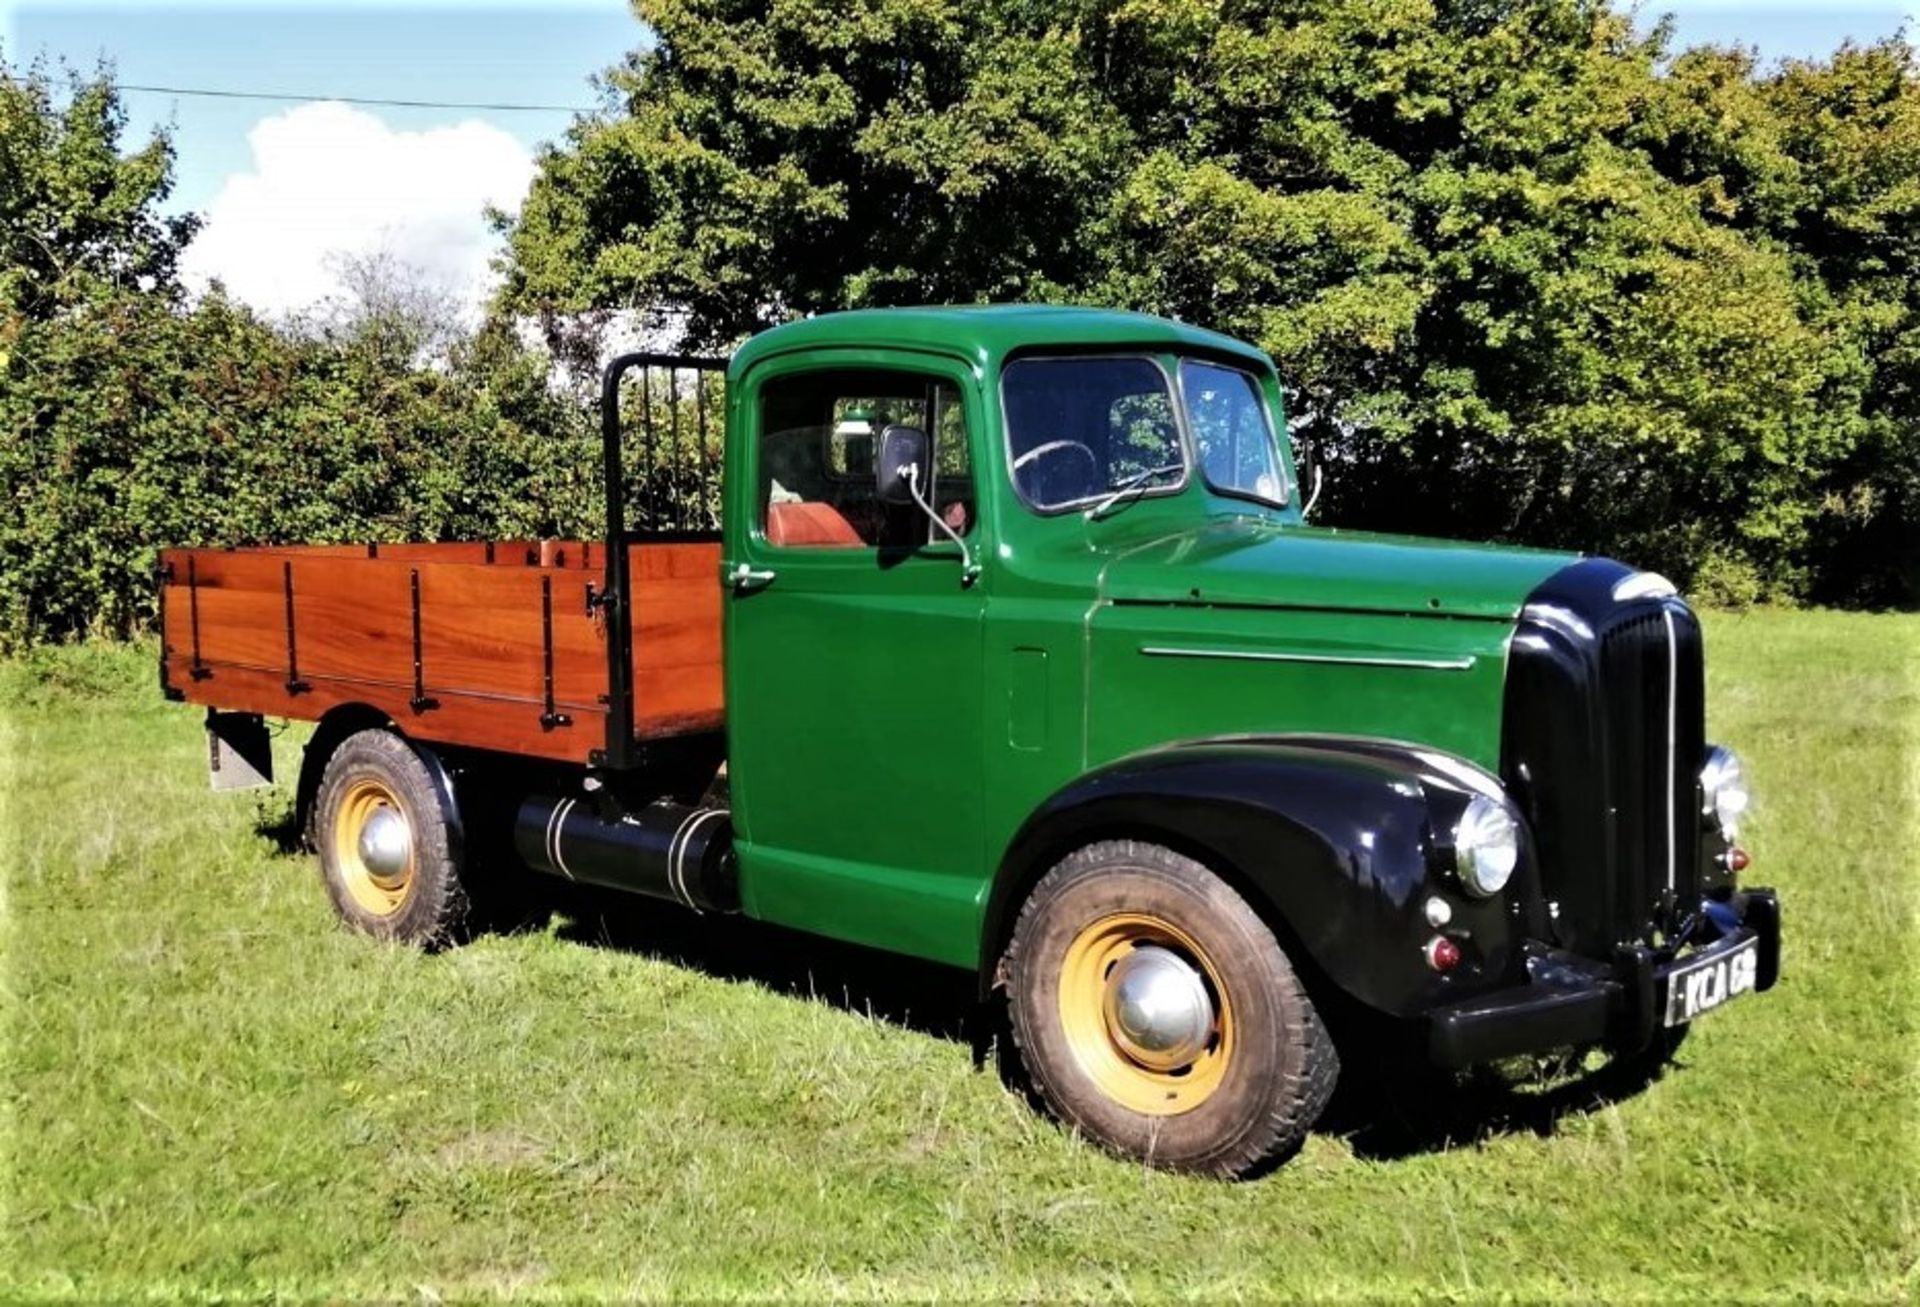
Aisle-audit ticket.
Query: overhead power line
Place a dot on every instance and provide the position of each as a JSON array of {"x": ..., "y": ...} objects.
[{"x": 355, "y": 99}]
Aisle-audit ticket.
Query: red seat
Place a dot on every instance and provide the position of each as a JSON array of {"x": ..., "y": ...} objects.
[{"x": 810, "y": 523}]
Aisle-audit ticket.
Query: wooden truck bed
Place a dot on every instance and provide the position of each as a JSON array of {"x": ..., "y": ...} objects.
[{"x": 488, "y": 645}]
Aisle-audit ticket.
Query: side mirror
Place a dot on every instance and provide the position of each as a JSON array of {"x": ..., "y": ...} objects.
[
  {"x": 901, "y": 448},
  {"x": 1307, "y": 472}
]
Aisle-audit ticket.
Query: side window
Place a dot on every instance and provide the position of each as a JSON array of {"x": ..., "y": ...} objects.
[{"x": 818, "y": 435}]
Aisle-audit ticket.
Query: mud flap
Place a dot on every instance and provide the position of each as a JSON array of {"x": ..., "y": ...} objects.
[{"x": 239, "y": 751}]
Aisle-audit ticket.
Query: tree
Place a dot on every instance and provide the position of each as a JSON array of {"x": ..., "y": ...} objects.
[
  {"x": 768, "y": 161},
  {"x": 134, "y": 416},
  {"x": 1822, "y": 159},
  {"x": 1524, "y": 274},
  {"x": 76, "y": 216}
]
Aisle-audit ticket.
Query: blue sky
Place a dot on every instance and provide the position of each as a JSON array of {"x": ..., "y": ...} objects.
[
  {"x": 281, "y": 182},
  {"x": 464, "y": 51}
]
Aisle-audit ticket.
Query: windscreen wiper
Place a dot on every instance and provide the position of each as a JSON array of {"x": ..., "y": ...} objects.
[{"x": 1132, "y": 484}]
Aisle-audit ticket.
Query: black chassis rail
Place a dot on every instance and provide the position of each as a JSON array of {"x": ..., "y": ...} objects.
[{"x": 1567, "y": 1000}]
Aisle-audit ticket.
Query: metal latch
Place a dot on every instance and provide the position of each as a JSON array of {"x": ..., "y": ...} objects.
[{"x": 743, "y": 578}]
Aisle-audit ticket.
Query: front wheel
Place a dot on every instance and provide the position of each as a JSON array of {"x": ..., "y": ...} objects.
[{"x": 1154, "y": 1010}]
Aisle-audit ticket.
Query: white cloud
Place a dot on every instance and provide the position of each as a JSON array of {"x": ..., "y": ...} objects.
[{"x": 329, "y": 179}]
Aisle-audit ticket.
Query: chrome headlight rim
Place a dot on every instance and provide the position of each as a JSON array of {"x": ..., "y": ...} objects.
[
  {"x": 1486, "y": 846},
  {"x": 1724, "y": 793}
]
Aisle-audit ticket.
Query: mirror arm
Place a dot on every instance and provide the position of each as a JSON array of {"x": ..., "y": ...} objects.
[
  {"x": 1319, "y": 475},
  {"x": 969, "y": 570}
]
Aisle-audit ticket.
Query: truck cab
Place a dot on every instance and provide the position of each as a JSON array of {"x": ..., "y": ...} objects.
[{"x": 1034, "y": 666}]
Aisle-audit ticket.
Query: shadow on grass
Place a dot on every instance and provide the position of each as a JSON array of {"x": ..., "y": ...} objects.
[
  {"x": 1389, "y": 1110},
  {"x": 906, "y": 992},
  {"x": 1387, "y": 1105},
  {"x": 275, "y": 824}
]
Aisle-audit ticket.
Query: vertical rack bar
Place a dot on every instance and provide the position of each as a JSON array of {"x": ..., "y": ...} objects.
[
  {"x": 550, "y": 718},
  {"x": 619, "y": 744},
  {"x": 675, "y": 483},
  {"x": 706, "y": 453},
  {"x": 647, "y": 486},
  {"x": 199, "y": 671},
  {"x": 294, "y": 684},
  {"x": 419, "y": 702}
]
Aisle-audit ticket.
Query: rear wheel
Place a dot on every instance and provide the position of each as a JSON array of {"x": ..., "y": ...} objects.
[
  {"x": 388, "y": 848},
  {"x": 1155, "y": 1011}
]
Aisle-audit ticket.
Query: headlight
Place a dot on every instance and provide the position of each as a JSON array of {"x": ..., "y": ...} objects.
[
  {"x": 1723, "y": 791},
  {"x": 1486, "y": 846}
]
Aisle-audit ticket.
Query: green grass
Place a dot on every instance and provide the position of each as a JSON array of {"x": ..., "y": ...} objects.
[{"x": 210, "y": 1089}]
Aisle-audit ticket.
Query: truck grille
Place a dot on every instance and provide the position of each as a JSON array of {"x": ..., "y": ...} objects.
[{"x": 1605, "y": 732}]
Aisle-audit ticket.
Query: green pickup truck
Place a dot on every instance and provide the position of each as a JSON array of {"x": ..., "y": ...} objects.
[{"x": 1003, "y": 641}]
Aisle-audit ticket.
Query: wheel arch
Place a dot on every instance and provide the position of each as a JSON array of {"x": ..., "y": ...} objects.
[
  {"x": 1029, "y": 860},
  {"x": 339, "y": 724},
  {"x": 1330, "y": 840}
]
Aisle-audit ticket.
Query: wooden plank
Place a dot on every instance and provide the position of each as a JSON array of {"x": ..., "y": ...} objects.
[
  {"x": 463, "y": 720},
  {"x": 678, "y": 685}
]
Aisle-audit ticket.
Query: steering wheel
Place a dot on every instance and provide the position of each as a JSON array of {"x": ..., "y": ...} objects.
[
  {"x": 1035, "y": 454},
  {"x": 1053, "y": 448}
]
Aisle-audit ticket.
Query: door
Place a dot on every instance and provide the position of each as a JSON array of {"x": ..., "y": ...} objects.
[{"x": 854, "y": 658}]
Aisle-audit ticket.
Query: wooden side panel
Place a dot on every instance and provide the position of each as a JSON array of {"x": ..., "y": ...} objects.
[
  {"x": 676, "y": 638},
  {"x": 484, "y": 676}
]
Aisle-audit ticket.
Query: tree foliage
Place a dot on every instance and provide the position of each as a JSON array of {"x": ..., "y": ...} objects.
[
  {"x": 132, "y": 418},
  {"x": 1525, "y": 272}
]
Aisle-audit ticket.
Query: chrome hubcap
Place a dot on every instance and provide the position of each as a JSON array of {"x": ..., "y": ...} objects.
[
  {"x": 385, "y": 843},
  {"x": 1157, "y": 1007}
]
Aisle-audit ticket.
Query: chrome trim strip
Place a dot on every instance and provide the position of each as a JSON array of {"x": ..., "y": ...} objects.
[
  {"x": 1342, "y": 660},
  {"x": 1673, "y": 714},
  {"x": 693, "y": 824},
  {"x": 561, "y": 812},
  {"x": 673, "y": 855}
]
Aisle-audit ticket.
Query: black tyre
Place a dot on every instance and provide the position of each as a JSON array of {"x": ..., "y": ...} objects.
[
  {"x": 1155, "y": 1011},
  {"x": 386, "y": 835}
]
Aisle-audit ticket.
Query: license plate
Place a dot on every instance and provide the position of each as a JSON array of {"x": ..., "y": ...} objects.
[{"x": 1696, "y": 988}]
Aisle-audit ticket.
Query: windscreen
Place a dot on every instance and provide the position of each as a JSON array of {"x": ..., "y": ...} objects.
[
  {"x": 1228, "y": 419},
  {"x": 1080, "y": 428}
]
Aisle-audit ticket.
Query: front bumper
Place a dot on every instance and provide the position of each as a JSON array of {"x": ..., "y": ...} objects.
[{"x": 1566, "y": 1000}]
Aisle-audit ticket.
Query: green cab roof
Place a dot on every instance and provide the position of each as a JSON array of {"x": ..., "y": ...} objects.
[{"x": 985, "y": 333}]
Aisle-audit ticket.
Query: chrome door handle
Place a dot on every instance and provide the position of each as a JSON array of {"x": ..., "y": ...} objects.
[{"x": 743, "y": 578}]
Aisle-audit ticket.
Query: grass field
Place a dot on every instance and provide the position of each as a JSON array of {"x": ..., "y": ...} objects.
[{"x": 210, "y": 1089}]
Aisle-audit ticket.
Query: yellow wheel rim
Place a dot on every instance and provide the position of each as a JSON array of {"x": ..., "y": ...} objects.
[
  {"x": 1157, "y": 1076},
  {"x": 373, "y": 847}
]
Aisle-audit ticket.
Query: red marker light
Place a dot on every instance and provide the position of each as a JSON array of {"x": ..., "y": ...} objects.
[
  {"x": 1442, "y": 953},
  {"x": 1737, "y": 859}
]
